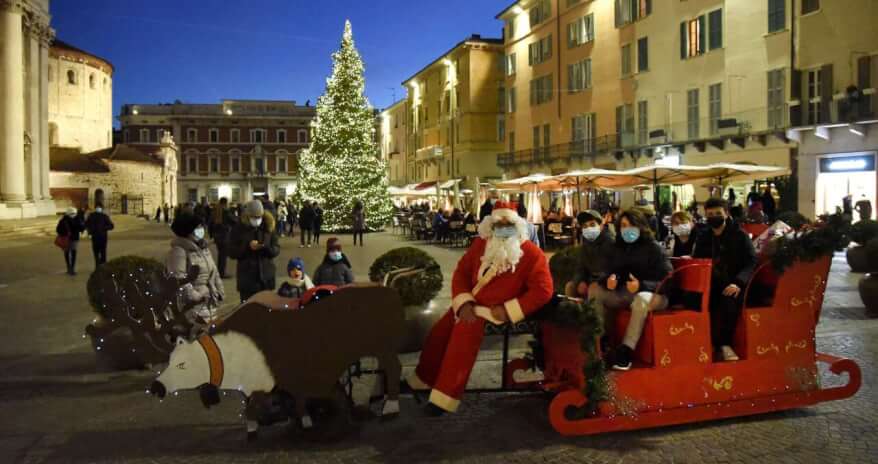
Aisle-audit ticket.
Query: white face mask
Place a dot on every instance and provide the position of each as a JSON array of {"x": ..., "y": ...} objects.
[
  {"x": 682, "y": 230},
  {"x": 256, "y": 222},
  {"x": 199, "y": 233},
  {"x": 99, "y": 210}
]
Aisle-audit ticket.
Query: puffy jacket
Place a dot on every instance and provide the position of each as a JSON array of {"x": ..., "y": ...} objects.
[
  {"x": 256, "y": 270},
  {"x": 207, "y": 290},
  {"x": 645, "y": 259},
  {"x": 306, "y": 217},
  {"x": 70, "y": 226},
  {"x": 334, "y": 272},
  {"x": 358, "y": 217}
]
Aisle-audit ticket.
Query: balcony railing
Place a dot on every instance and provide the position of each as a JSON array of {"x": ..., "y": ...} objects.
[{"x": 575, "y": 150}]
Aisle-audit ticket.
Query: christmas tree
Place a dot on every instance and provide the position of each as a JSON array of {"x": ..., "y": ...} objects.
[{"x": 342, "y": 164}]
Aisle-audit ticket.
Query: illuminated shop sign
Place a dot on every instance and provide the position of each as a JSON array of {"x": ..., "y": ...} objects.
[{"x": 848, "y": 164}]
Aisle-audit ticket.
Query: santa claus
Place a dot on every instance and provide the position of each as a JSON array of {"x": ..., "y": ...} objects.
[{"x": 503, "y": 277}]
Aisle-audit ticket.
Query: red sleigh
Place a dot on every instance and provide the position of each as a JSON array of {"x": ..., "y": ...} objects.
[{"x": 675, "y": 379}]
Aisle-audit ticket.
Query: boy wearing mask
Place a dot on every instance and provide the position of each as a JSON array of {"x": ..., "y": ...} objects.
[
  {"x": 595, "y": 255},
  {"x": 335, "y": 268},
  {"x": 297, "y": 282}
]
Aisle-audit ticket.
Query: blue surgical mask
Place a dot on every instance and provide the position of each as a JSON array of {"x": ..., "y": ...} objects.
[
  {"x": 99, "y": 210},
  {"x": 335, "y": 255},
  {"x": 505, "y": 232},
  {"x": 630, "y": 234},
  {"x": 591, "y": 233}
]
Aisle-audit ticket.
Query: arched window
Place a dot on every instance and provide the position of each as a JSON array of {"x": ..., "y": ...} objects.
[
  {"x": 91, "y": 80},
  {"x": 71, "y": 77}
]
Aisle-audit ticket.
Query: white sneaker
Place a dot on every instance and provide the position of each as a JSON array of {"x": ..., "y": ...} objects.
[{"x": 728, "y": 354}]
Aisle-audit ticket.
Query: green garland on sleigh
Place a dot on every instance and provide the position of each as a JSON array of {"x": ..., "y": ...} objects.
[{"x": 582, "y": 316}]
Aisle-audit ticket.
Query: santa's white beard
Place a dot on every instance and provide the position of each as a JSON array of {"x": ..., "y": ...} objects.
[{"x": 503, "y": 254}]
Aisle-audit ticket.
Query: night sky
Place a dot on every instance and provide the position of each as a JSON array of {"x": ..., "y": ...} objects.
[{"x": 202, "y": 51}]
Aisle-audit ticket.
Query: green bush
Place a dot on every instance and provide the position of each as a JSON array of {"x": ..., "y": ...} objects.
[
  {"x": 563, "y": 266},
  {"x": 121, "y": 266},
  {"x": 415, "y": 290},
  {"x": 872, "y": 252},
  {"x": 864, "y": 231},
  {"x": 793, "y": 219}
]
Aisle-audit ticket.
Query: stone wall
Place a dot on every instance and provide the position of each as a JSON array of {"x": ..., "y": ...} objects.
[{"x": 125, "y": 178}]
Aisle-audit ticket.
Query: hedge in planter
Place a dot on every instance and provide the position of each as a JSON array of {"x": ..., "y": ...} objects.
[
  {"x": 868, "y": 286},
  {"x": 415, "y": 290},
  {"x": 139, "y": 312},
  {"x": 864, "y": 231},
  {"x": 562, "y": 265}
]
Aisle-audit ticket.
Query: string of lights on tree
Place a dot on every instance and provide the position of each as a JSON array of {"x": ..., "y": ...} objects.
[{"x": 342, "y": 163}]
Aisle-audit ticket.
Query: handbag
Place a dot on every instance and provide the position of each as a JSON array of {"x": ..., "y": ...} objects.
[{"x": 62, "y": 242}]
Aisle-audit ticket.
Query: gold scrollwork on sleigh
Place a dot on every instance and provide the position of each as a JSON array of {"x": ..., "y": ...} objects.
[
  {"x": 811, "y": 299},
  {"x": 703, "y": 357},
  {"x": 801, "y": 344},
  {"x": 724, "y": 383},
  {"x": 666, "y": 358},
  {"x": 674, "y": 330},
  {"x": 755, "y": 319},
  {"x": 762, "y": 350}
]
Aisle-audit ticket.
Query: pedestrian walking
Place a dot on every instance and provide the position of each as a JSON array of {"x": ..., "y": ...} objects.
[
  {"x": 358, "y": 218},
  {"x": 281, "y": 219},
  {"x": 190, "y": 250},
  {"x": 306, "y": 224},
  {"x": 292, "y": 216},
  {"x": 158, "y": 214},
  {"x": 221, "y": 225},
  {"x": 68, "y": 229},
  {"x": 318, "y": 222},
  {"x": 165, "y": 212},
  {"x": 254, "y": 244},
  {"x": 98, "y": 225}
]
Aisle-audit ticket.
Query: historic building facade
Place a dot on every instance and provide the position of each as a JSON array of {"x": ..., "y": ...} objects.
[
  {"x": 453, "y": 119},
  {"x": 80, "y": 99},
  {"x": 25, "y": 36},
  {"x": 392, "y": 141},
  {"x": 235, "y": 149}
]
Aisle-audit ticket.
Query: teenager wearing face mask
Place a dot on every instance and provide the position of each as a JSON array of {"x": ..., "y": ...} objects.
[
  {"x": 335, "y": 268},
  {"x": 189, "y": 249},
  {"x": 637, "y": 266},
  {"x": 734, "y": 260},
  {"x": 98, "y": 225},
  {"x": 598, "y": 243},
  {"x": 683, "y": 234},
  {"x": 253, "y": 242}
]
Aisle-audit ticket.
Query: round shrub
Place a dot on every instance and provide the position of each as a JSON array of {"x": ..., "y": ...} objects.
[
  {"x": 562, "y": 265},
  {"x": 864, "y": 231},
  {"x": 415, "y": 290},
  {"x": 793, "y": 219},
  {"x": 122, "y": 266}
]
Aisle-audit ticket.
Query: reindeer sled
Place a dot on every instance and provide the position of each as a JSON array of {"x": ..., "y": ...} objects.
[{"x": 287, "y": 358}]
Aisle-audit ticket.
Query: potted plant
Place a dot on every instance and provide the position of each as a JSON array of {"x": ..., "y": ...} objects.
[
  {"x": 562, "y": 265},
  {"x": 869, "y": 283},
  {"x": 417, "y": 292},
  {"x": 861, "y": 233}
]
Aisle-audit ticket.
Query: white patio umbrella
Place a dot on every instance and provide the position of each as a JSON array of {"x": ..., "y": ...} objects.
[
  {"x": 589, "y": 179},
  {"x": 724, "y": 173}
]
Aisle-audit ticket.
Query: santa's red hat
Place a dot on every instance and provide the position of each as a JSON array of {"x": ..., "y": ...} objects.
[{"x": 503, "y": 210}]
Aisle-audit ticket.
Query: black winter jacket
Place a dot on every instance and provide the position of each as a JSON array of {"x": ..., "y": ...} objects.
[
  {"x": 645, "y": 259},
  {"x": 98, "y": 224},
  {"x": 595, "y": 257},
  {"x": 71, "y": 226},
  {"x": 256, "y": 270},
  {"x": 733, "y": 255}
]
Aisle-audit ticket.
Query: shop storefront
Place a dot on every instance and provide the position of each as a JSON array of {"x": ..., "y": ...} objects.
[{"x": 843, "y": 174}]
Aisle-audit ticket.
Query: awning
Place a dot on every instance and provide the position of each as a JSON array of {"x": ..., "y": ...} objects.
[
  {"x": 449, "y": 184},
  {"x": 425, "y": 185}
]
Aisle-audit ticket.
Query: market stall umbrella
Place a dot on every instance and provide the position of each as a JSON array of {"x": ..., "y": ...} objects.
[
  {"x": 524, "y": 184},
  {"x": 723, "y": 173},
  {"x": 590, "y": 179}
]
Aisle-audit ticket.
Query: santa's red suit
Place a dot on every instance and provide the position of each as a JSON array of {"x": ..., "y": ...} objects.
[{"x": 452, "y": 346}]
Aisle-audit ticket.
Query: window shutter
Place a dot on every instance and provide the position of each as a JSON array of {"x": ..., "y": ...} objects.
[
  {"x": 588, "y": 73},
  {"x": 570, "y": 78},
  {"x": 571, "y": 31},
  {"x": 716, "y": 29},
  {"x": 589, "y": 27},
  {"x": 826, "y": 88},
  {"x": 549, "y": 87},
  {"x": 618, "y": 12},
  {"x": 864, "y": 81},
  {"x": 530, "y": 54},
  {"x": 548, "y": 53},
  {"x": 702, "y": 34},
  {"x": 796, "y": 94},
  {"x": 648, "y": 7},
  {"x": 683, "y": 48}
]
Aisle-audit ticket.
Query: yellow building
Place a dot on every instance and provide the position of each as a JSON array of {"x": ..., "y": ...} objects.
[
  {"x": 563, "y": 85},
  {"x": 454, "y": 123},
  {"x": 392, "y": 141},
  {"x": 835, "y": 104}
]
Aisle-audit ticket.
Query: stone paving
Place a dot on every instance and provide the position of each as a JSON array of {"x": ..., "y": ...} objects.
[{"x": 57, "y": 406}]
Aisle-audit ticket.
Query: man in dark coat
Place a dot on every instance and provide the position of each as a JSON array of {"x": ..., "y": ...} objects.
[
  {"x": 734, "y": 260},
  {"x": 306, "y": 224},
  {"x": 254, "y": 244},
  {"x": 596, "y": 253},
  {"x": 487, "y": 208},
  {"x": 98, "y": 225},
  {"x": 220, "y": 226}
]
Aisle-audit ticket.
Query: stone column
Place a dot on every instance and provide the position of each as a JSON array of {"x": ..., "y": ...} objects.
[
  {"x": 44, "y": 116},
  {"x": 34, "y": 126},
  {"x": 12, "y": 102}
]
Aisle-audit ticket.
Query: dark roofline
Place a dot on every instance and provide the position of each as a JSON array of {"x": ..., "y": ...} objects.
[
  {"x": 471, "y": 39},
  {"x": 500, "y": 14},
  {"x": 58, "y": 43}
]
